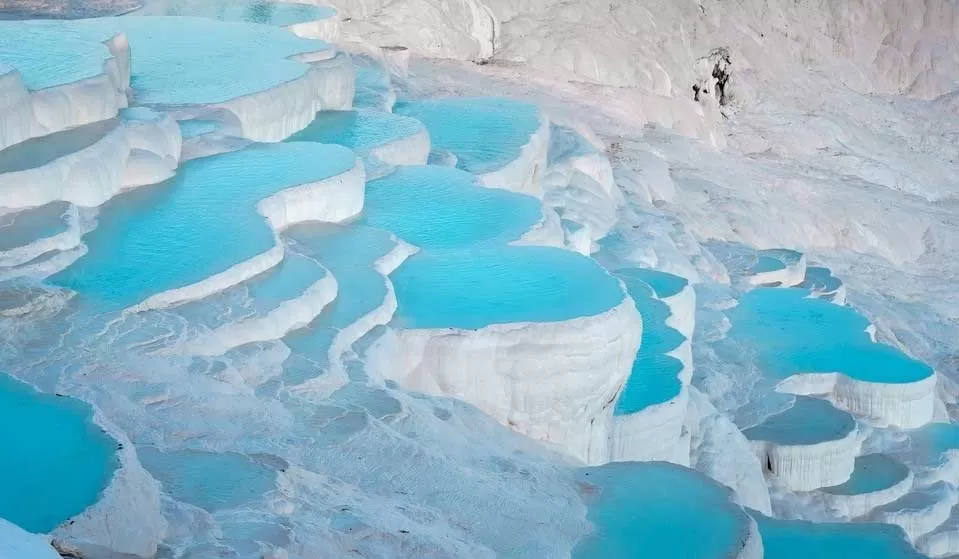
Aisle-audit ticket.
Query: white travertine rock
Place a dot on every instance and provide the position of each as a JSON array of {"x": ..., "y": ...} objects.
[
  {"x": 804, "y": 467},
  {"x": 134, "y": 153},
  {"x": 16, "y": 543},
  {"x": 28, "y": 114},
  {"x": 904, "y": 405},
  {"x": 128, "y": 518},
  {"x": 410, "y": 150},
  {"x": 793, "y": 273},
  {"x": 720, "y": 450},
  {"x": 523, "y": 174},
  {"x": 291, "y": 314},
  {"x": 552, "y": 381},
  {"x": 653, "y": 433},
  {"x": 919, "y": 512},
  {"x": 278, "y": 113}
]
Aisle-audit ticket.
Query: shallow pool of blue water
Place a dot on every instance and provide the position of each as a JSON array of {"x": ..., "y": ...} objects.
[
  {"x": 808, "y": 421},
  {"x": 795, "y": 539},
  {"x": 55, "y": 460},
  {"x": 441, "y": 207},
  {"x": 197, "y": 224},
  {"x": 238, "y": 58},
  {"x": 793, "y": 333},
  {"x": 872, "y": 472},
  {"x": 654, "y": 377},
  {"x": 646, "y": 510},
  {"x": 211, "y": 481},
  {"x": 360, "y": 130},
  {"x": 485, "y": 133},
  {"x": 473, "y": 288}
]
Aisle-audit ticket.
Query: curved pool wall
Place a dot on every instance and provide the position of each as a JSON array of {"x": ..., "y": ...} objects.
[
  {"x": 811, "y": 346},
  {"x": 509, "y": 330},
  {"x": 809, "y": 445},
  {"x": 213, "y": 225},
  {"x": 651, "y": 409},
  {"x": 360, "y": 258},
  {"x": 56, "y": 461},
  {"x": 442, "y": 208},
  {"x": 653, "y": 509},
  {"x": 388, "y": 138},
  {"x": 502, "y": 141},
  {"x": 138, "y": 148},
  {"x": 797, "y": 539},
  {"x": 876, "y": 480}
]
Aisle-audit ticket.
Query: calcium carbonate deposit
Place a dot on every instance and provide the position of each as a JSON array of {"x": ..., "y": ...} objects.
[{"x": 531, "y": 279}]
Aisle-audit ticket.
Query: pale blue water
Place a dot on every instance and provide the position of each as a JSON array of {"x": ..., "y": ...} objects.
[
  {"x": 360, "y": 130},
  {"x": 55, "y": 460},
  {"x": 197, "y": 224},
  {"x": 211, "y": 481},
  {"x": 278, "y": 13},
  {"x": 808, "y": 421},
  {"x": 664, "y": 284},
  {"x": 793, "y": 333},
  {"x": 654, "y": 509},
  {"x": 474, "y": 288},
  {"x": 349, "y": 252},
  {"x": 31, "y": 225},
  {"x": 194, "y": 128},
  {"x": 38, "y": 152},
  {"x": 167, "y": 70},
  {"x": 767, "y": 264},
  {"x": 654, "y": 377},
  {"x": 441, "y": 207},
  {"x": 796, "y": 539},
  {"x": 873, "y": 472},
  {"x": 485, "y": 133},
  {"x": 51, "y": 53}
]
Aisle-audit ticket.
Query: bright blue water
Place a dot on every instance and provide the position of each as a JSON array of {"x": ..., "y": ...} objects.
[
  {"x": 873, "y": 472},
  {"x": 808, "y": 421},
  {"x": 767, "y": 264},
  {"x": 485, "y": 133},
  {"x": 194, "y": 128},
  {"x": 52, "y": 53},
  {"x": 654, "y": 379},
  {"x": 655, "y": 509},
  {"x": 55, "y": 460},
  {"x": 276, "y": 13},
  {"x": 195, "y": 225},
  {"x": 474, "y": 288},
  {"x": 360, "y": 130},
  {"x": 664, "y": 285},
  {"x": 441, "y": 207},
  {"x": 27, "y": 226},
  {"x": 931, "y": 442},
  {"x": 796, "y": 539},
  {"x": 38, "y": 152},
  {"x": 793, "y": 333},
  {"x": 168, "y": 71},
  {"x": 655, "y": 376},
  {"x": 349, "y": 253},
  {"x": 210, "y": 481}
]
